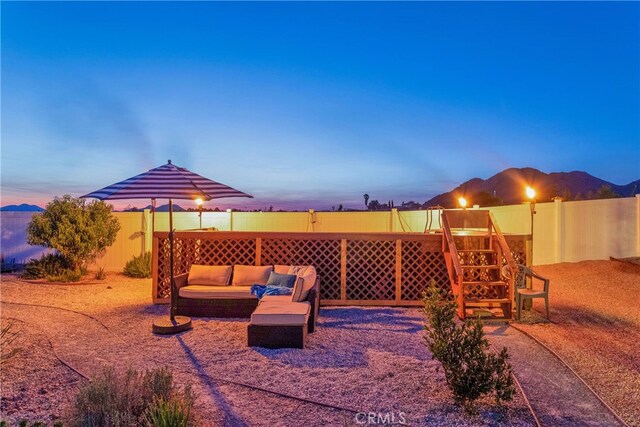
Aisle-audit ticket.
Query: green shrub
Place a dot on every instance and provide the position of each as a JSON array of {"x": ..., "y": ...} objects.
[
  {"x": 470, "y": 369},
  {"x": 58, "y": 424},
  {"x": 3, "y": 423},
  {"x": 76, "y": 229},
  {"x": 23, "y": 423},
  {"x": 172, "y": 413},
  {"x": 65, "y": 276},
  {"x": 124, "y": 400},
  {"x": 139, "y": 266},
  {"x": 49, "y": 264},
  {"x": 101, "y": 274}
]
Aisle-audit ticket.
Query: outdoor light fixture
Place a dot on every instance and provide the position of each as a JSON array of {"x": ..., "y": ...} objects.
[
  {"x": 199, "y": 203},
  {"x": 462, "y": 202},
  {"x": 531, "y": 195}
]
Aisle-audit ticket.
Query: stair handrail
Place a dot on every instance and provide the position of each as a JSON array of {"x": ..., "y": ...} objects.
[
  {"x": 452, "y": 245},
  {"x": 506, "y": 252}
]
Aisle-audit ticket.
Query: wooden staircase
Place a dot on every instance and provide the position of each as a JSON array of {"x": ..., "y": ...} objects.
[{"x": 475, "y": 252}]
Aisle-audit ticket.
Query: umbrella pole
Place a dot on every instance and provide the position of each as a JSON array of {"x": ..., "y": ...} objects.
[
  {"x": 176, "y": 323},
  {"x": 173, "y": 284}
]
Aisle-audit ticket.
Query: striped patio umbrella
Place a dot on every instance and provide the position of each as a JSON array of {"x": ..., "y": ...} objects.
[{"x": 167, "y": 182}]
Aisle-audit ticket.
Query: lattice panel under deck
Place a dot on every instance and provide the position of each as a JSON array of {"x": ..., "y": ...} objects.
[
  {"x": 421, "y": 263},
  {"x": 518, "y": 246},
  {"x": 483, "y": 291},
  {"x": 204, "y": 252},
  {"x": 371, "y": 269},
  {"x": 470, "y": 242},
  {"x": 323, "y": 254},
  {"x": 476, "y": 258}
]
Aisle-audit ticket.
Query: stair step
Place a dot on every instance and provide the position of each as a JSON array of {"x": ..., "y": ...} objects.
[
  {"x": 490, "y": 283},
  {"x": 490, "y": 266},
  {"x": 486, "y": 300},
  {"x": 476, "y": 250}
]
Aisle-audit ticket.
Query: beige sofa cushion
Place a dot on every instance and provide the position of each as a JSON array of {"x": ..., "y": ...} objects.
[
  {"x": 277, "y": 299},
  {"x": 209, "y": 275},
  {"x": 281, "y": 313},
  {"x": 216, "y": 292},
  {"x": 306, "y": 272},
  {"x": 247, "y": 275},
  {"x": 298, "y": 290}
]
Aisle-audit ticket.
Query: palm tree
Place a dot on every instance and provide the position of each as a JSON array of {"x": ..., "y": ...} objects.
[{"x": 366, "y": 200}]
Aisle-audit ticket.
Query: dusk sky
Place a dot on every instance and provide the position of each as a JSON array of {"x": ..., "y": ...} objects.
[{"x": 311, "y": 105}]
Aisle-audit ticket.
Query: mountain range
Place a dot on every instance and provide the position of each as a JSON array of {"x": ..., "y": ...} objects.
[
  {"x": 21, "y": 208},
  {"x": 508, "y": 187}
]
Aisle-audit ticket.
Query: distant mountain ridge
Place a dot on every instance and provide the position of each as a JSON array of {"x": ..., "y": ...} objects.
[
  {"x": 507, "y": 187},
  {"x": 161, "y": 208},
  {"x": 21, "y": 208}
]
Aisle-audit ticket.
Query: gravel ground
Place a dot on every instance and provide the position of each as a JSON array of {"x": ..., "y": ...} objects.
[
  {"x": 35, "y": 384},
  {"x": 361, "y": 360},
  {"x": 595, "y": 327}
]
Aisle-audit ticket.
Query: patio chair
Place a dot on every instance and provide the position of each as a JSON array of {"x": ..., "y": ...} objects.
[{"x": 522, "y": 292}]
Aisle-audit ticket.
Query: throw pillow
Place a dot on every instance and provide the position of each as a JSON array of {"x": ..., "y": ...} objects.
[{"x": 284, "y": 280}]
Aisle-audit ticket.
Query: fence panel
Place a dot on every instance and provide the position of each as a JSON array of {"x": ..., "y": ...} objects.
[{"x": 354, "y": 268}]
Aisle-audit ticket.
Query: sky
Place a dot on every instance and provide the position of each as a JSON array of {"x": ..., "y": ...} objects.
[{"x": 311, "y": 105}]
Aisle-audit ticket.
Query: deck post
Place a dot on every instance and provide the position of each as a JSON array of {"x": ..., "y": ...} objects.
[
  {"x": 398, "y": 271},
  {"x": 343, "y": 269},
  {"x": 258, "y": 250}
]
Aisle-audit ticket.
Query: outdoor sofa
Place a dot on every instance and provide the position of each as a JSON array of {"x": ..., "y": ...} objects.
[{"x": 276, "y": 320}]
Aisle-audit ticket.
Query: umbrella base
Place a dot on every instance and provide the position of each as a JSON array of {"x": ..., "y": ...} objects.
[{"x": 169, "y": 327}]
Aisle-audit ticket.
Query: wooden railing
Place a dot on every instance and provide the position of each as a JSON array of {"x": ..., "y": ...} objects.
[
  {"x": 454, "y": 267},
  {"x": 354, "y": 268},
  {"x": 499, "y": 244}
]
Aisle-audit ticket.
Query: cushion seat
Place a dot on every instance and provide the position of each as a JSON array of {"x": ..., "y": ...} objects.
[
  {"x": 275, "y": 299},
  {"x": 216, "y": 292},
  {"x": 281, "y": 313}
]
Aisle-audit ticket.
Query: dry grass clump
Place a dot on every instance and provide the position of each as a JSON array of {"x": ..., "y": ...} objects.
[{"x": 133, "y": 398}]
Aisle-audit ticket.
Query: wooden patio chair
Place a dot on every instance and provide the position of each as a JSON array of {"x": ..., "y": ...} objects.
[{"x": 522, "y": 292}]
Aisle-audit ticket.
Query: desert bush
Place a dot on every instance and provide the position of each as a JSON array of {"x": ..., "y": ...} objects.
[
  {"x": 65, "y": 276},
  {"x": 47, "y": 265},
  {"x": 171, "y": 413},
  {"x": 101, "y": 274},
  {"x": 8, "y": 334},
  {"x": 76, "y": 229},
  {"x": 139, "y": 266},
  {"x": 124, "y": 400},
  {"x": 471, "y": 369}
]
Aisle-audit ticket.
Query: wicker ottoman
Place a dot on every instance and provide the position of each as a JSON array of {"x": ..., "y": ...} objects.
[{"x": 279, "y": 325}]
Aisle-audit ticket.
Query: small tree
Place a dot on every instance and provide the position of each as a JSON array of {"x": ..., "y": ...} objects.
[
  {"x": 469, "y": 368},
  {"x": 75, "y": 228}
]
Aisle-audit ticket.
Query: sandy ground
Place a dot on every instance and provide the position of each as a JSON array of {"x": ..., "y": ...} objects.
[
  {"x": 595, "y": 315},
  {"x": 360, "y": 360}
]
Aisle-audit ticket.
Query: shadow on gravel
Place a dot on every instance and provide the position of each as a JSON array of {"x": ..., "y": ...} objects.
[
  {"x": 231, "y": 419},
  {"x": 374, "y": 319}
]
